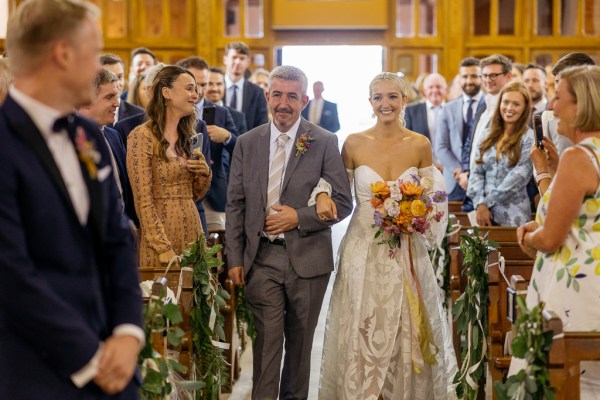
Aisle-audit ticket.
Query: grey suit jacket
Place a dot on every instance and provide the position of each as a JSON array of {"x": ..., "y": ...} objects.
[
  {"x": 448, "y": 144},
  {"x": 309, "y": 246}
]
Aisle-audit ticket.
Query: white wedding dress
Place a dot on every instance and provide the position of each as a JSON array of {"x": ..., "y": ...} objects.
[{"x": 378, "y": 342}]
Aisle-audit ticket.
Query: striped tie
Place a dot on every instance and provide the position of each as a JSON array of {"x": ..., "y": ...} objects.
[{"x": 276, "y": 175}]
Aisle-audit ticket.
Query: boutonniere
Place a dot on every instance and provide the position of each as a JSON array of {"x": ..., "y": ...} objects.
[
  {"x": 88, "y": 155},
  {"x": 303, "y": 143}
]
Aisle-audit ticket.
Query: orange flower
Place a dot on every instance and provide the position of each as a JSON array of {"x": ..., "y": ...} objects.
[
  {"x": 380, "y": 189},
  {"x": 403, "y": 219},
  {"x": 405, "y": 208},
  {"x": 418, "y": 208},
  {"x": 411, "y": 189},
  {"x": 376, "y": 202}
]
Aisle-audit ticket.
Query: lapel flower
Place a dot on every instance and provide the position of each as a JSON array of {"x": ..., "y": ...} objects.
[
  {"x": 88, "y": 155},
  {"x": 303, "y": 143}
]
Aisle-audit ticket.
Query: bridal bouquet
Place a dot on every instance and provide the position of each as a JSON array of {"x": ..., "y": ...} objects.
[{"x": 404, "y": 206}]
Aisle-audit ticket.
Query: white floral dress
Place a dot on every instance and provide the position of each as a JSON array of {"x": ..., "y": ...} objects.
[
  {"x": 371, "y": 348},
  {"x": 568, "y": 280}
]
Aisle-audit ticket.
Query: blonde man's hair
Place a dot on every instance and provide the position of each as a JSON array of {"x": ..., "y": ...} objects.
[
  {"x": 36, "y": 24},
  {"x": 584, "y": 86}
]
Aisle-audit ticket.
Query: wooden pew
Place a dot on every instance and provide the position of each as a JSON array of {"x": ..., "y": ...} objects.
[
  {"x": 184, "y": 352},
  {"x": 498, "y": 323},
  {"x": 454, "y": 206},
  {"x": 568, "y": 350},
  {"x": 461, "y": 217}
]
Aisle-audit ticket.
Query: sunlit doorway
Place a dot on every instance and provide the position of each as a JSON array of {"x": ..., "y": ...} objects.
[{"x": 346, "y": 72}]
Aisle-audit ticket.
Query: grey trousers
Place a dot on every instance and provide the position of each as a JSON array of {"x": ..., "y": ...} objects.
[{"x": 284, "y": 306}]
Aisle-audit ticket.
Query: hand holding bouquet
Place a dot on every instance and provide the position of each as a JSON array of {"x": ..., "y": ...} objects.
[{"x": 404, "y": 206}]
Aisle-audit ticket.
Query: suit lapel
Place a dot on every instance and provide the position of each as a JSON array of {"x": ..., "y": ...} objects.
[
  {"x": 263, "y": 150},
  {"x": 293, "y": 160},
  {"x": 424, "y": 120},
  {"x": 24, "y": 127}
]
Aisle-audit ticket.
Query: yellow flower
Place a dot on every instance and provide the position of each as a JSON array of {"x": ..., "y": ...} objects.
[
  {"x": 592, "y": 206},
  {"x": 574, "y": 270},
  {"x": 411, "y": 189},
  {"x": 405, "y": 208},
  {"x": 563, "y": 255},
  {"x": 380, "y": 189},
  {"x": 418, "y": 208},
  {"x": 403, "y": 219}
]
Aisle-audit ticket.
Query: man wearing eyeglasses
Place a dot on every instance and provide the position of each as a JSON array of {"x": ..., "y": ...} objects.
[{"x": 495, "y": 73}]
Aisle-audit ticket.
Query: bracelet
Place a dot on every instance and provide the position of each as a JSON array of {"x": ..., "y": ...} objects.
[{"x": 541, "y": 176}]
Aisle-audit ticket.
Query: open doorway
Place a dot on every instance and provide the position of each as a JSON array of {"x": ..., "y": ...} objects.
[{"x": 346, "y": 72}]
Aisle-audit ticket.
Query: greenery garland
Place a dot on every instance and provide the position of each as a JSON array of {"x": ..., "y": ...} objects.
[
  {"x": 208, "y": 296},
  {"x": 440, "y": 260},
  {"x": 471, "y": 313},
  {"x": 156, "y": 370},
  {"x": 244, "y": 321},
  {"x": 532, "y": 344}
]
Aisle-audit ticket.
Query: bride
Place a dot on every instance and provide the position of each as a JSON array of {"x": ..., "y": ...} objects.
[{"x": 387, "y": 335}]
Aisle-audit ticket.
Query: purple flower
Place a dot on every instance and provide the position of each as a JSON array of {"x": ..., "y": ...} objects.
[
  {"x": 378, "y": 219},
  {"x": 416, "y": 178},
  {"x": 426, "y": 199},
  {"x": 440, "y": 196}
]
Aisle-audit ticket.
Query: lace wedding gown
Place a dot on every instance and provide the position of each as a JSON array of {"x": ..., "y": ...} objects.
[{"x": 382, "y": 339}]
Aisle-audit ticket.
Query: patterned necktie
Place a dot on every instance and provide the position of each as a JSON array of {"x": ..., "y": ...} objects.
[
  {"x": 469, "y": 121},
  {"x": 233, "y": 101},
  {"x": 276, "y": 176}
]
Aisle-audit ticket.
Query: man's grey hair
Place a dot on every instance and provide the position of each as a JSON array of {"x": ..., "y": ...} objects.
[
  {"x": 150, "y": 73},
  {"x": 289, "y": 73}
]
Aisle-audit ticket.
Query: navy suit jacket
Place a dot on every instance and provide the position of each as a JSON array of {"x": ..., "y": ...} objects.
[
  {"x": 329, "y": 116},
  {"x": 127, "y": 110},
  {"x": 239, "y": 119},
  {"x": 416, "y": 119},
  {"x": 64, "y": 286},
  {"x": 254, "y": 105},
  {"x": 217, "y": 195},
  {"x": 120, "y": 153},
  {"x": 127, "y": 125}
]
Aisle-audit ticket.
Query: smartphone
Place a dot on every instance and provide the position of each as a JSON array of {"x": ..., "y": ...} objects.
[
  {"x": 208, "y": 114},
  {"x": 196, "y": 143},
  {"x": 539, "y": 131}
]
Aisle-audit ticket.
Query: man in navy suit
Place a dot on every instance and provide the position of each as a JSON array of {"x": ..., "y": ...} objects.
[
  {"x": 223, "y": 136},
  {"x": 215, "y": 92},
  {"x": 102, "y": 109},
  {"x": 320, "y": 111},
  {"x": 71, "y": 314},
  {"x": 241, "y": 94},
  {"x": 454, "y": 129},
  {"x": 115, "y": 64},
  {"x": 421, "y": 117}
]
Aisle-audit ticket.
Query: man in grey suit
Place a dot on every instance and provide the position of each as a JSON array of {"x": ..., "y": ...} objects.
[
  {"x": 276, "y": 244},
  {"x": 454, "y": 129}
]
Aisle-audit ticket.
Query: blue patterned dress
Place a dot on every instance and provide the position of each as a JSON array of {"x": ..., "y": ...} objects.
[{"x": 501, "y": 188}]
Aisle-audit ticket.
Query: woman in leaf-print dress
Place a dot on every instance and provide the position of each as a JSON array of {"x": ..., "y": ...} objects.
[{"x": 566, "y": 233}]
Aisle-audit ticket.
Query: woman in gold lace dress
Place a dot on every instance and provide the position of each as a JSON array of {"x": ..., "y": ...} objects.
[{"x": 166, "y": 178}]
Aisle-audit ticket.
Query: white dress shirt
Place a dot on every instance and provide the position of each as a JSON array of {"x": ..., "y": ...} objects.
[
  {"x": 432, "y": 115},
  {"x": 482, "y": 124},
  {"x": 316, "y": 110},
  {"x": 240, "y": 92}
]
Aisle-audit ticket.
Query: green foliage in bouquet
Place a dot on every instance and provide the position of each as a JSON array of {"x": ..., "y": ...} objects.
[
  {"x": 208, "y": 297},
  {"x": 532, "y": 344},
  {"x": 244, "y": 321},
  {"x": 471, "y": 314},
  {"x": 156, "y": 370}
]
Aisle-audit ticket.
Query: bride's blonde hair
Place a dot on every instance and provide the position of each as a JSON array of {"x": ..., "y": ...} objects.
[{"x": 396, "y": 80}]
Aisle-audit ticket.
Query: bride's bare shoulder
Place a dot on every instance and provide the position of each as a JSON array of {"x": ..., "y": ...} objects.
[{"x": 358, "y": 138}]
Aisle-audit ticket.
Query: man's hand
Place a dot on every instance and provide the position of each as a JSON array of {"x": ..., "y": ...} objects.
[
  {"x": 285, "y": 220},
  {"x": 117, "y": 363},
  {"x": 236, "y": 274},
  {"x": 217, "y": 134}
]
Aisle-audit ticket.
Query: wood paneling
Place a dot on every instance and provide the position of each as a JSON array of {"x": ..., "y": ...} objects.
[{"x": 179, "y": 28}]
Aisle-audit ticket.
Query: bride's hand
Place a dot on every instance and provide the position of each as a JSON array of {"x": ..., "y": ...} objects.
[{"x": 326, "y": 209}]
